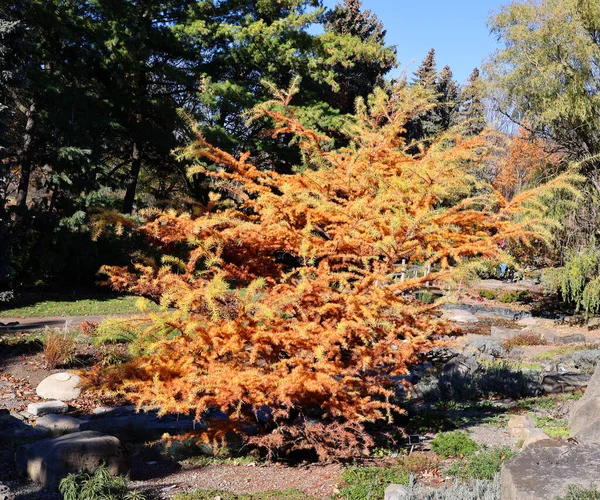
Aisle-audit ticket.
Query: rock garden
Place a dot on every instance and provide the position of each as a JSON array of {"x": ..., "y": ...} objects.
[{"x": 508, "y": 407}]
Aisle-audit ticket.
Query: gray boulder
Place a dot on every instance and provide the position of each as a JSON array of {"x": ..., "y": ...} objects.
[
  {"x": 140, "y": 426},
  {"x": 48, "y": 461},
  {"x": 57, "y": 425},
  {"x": 570, "y": 339},
  {"x": 545, "y": 470},
  {"x": 558, "y": 383},
  {"x": 47, "y": 407},
  {"x": 486, "y": 345},
  {"x": 14, "y": 428},
  {"x": 460, "y": 316},
  {"x": 463, "y": 365},
  {"x": 586, "y": 412},
  {"x": 61, "y": 386}
]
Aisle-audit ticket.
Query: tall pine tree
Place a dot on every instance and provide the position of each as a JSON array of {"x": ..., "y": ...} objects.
[
  {"x": 448, "y": 96},
  {"x": 424, "y": 126},
  {"x": 472, "y": 114},
  {"x": 359, "y": 78}
]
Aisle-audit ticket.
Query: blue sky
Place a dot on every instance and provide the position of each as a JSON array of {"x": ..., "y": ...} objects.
[{"x": 455, "y": 28}]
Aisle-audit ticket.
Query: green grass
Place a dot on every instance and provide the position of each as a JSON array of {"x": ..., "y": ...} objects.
[
  {"x": 553, "y": 427},
  {"x": 228, "y": 495},
  {"x": 577, "y": 493},
  {"x": 74, "y": 307},
  {"x": 362, "y": 483},
  {"x": 564, "y": 351},
  {"x": 484, "y": 464},
  {"x": 547, "y": 402}
]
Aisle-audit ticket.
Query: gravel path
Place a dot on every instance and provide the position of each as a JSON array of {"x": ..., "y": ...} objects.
[
  {"x": 26, "y": 324},
  {"x": 318, "y": 481}
]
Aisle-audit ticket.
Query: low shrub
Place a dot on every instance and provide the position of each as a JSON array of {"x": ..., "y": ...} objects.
[
  {"x": 586, "y": 360},
  {"x": 419, "y": 462},
  {"x": 370, "y": 482},
  {"x": 59, "y": 349},
  {"x": 473, "y": 490},
  {"x": 426, "y": 296},
  {"x": 88, "y": 327},
  {"x": 577, "y": 493},
  {"x": 515, "y": 296},
  {"x": 488, "y": 294},
  {"x": 454, "y": 444},
  {"x": 484, "y": 464},
  {"x": 523, "y": 339},
  {"x": 100, "y": 485}
]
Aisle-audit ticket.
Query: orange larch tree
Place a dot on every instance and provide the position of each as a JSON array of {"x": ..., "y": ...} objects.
[
  {"x": 281, "y": 298},
  {"x": 527, "y": 159}
]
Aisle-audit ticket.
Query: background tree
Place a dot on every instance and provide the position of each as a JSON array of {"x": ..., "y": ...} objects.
[
  {"x": 448, "y": 92},
  {"x": 472, "y": 113},
  {"x": 362, "y": 75},
  {"x": 444, "y": 96},
  {"x": 546, "y": 78},
  {"x": 546, "y": 74},
  {"x": 528, "y": 163}
]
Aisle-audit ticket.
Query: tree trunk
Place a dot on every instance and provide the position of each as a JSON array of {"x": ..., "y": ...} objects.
[
  {"x": 25, "y": 161},
  {"x": 136, "y": 165}
]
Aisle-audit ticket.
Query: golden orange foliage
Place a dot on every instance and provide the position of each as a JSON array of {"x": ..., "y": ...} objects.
[
  {"x": 282, "y": 298},
  {"x": 527, "y": 157}
]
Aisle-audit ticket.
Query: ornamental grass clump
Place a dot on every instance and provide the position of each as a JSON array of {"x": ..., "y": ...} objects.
[{"x": 280, "y": 306}]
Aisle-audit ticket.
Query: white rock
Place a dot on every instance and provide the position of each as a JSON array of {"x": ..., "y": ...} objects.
[
  {"x": 4, "y": 492},
  {"x": 396, "y": 492},
  {"x": 527, "y": 322},
  {"x": 61, "y": 386},
  {"x": 47, "y": 407},
  {"x": 460, "y": 316}
]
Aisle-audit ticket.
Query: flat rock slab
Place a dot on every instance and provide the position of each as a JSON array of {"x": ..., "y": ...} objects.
[
  {"x": 60, "y": 386},
  {"x": 545, "y": 470},
  {"x": 47, "y": 407},
  {"x": 460, "y": 316},
  {"x": 48, "y": 461},
  {"x": 57, "y": 425},
  {"x": 559, "y": 383},
  {"x": 140, "y": 426},
  {"x": 500, "y": 333},
  {"x": 490, "y": 312}
]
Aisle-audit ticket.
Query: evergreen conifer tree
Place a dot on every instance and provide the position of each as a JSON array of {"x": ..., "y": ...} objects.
[
  {"x": 448, "y": 98},
  {"x": 359, "y": 78},
  {"x": 472, "y": 112},
  {"x": 427, "y": 124}
]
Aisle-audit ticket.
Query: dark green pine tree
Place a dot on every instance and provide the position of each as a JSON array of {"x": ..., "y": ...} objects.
[
  {"x": 425, "y": 126},
  {"x": 448, "y": 96},
  {"x": 472, "y": 116},
  {"x": 359, "y": 78},
  {"x": 426, "y": 74},
  {"x": 145, "y": 71}
]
